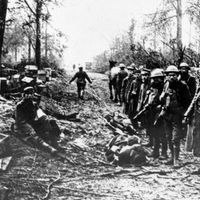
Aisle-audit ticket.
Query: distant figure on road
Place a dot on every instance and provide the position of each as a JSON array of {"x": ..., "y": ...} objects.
[{"x": 81, "y": 82}]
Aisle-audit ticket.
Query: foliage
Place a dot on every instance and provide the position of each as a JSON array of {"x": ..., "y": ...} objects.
[{"x": 22, "y": 35}]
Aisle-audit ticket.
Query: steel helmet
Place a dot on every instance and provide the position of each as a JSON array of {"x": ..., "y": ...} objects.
[
  {"x": 184, "y": 65},
  {"x": 156, "y": 73},
  {"x": 28, "y": 90},
  {"x": 145, "y": 71},
  {"x": 122, "y": 65},
  {"x": 132, "y": 67},
  {"x": 172, "y": 69}
]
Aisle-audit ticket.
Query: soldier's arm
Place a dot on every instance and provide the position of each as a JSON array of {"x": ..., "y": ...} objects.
[
  {"x": 75, "y": 76},
  {"x": 87, "y": 77},
  {"x": 190, "y": 109},
  {"x": 122, "y": 94},
  {"x": 193, "y": 86}
]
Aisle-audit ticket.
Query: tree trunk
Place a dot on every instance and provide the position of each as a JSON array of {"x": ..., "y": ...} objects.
[
  {"x": 29, "y": 48},
  {"x": 46, "y": 48},
  {"x": 16, "y": 54},
  {"x": 179, "y": 25},
  {"x": 3, "y": 10},
  {"x": 38, "y": 34}
]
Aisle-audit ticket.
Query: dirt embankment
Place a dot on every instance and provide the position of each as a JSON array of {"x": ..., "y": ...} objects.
[{"x": 86, "y": 174}]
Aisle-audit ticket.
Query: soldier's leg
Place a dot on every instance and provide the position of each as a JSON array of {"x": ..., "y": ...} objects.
[
  {"x": 55, "y": 130},
  {"x": 110, "y": 89},
  {"x": 149, "y": 134},
  {"x": 176, "y": 137},
  {"x": 79, "y": 90},
  {"x": 82, "y": 90},
  {"x": 163, "y": 142},
  {"x": 168, "y": 132},
  {"x": 156, "y": 142}
]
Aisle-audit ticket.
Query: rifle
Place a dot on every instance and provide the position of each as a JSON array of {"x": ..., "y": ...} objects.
[
  {"x": 139, "y": 114},
  {"x": 160, "y": 115}
]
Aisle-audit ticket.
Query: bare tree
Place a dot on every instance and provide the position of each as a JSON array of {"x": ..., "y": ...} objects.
[{"x": 3, "y": 11}]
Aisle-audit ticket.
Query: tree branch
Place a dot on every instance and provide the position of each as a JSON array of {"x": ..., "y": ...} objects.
[
  {"x": 25, "y": 1},
  {"x": 173, "y": 5},
  {"x": 161, "y": 20}
]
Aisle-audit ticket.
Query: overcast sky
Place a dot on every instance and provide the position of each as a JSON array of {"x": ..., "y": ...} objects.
[{"x": 91, "y": 25}]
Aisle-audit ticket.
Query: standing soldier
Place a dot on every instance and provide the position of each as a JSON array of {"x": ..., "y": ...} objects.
[
  {"x": 129, "y": 92},
  {"x": 191, "y": 83},
  {"x": 193, "y": 115},
  {"x": 144, "y": 86},
  {"x": 120, "y": 77},
  {"x": 176, "y": 100},
  {"x": 152, "y": 107},
  {"x": 81, "y": 82},
  {"x": 189, "y": 80}
]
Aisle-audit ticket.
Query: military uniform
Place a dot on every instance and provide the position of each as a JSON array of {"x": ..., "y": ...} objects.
[
  {"x": 81, "y": 77},
  {"x": 129, "y": 93},
  {"x": 176, "y": 100},
  {"x": 193, "y": 135},
  {"x": 39, "y": 132}
]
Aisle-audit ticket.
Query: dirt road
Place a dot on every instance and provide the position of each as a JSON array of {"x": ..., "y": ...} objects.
[{"x": 86, "y": 174}]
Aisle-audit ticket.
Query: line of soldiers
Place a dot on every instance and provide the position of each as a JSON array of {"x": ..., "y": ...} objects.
[{"x": 157, "y": 100}]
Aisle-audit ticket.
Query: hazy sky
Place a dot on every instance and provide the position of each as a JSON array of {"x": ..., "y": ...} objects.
[{"x": 91, "y": 25}]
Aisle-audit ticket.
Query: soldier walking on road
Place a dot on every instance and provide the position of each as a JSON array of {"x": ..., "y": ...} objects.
[
  {"x": 81, "y": 77},
  {"x": 175, "y": 100}
]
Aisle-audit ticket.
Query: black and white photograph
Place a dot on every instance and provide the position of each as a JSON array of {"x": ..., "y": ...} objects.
[{"x": 99, "y": 99}]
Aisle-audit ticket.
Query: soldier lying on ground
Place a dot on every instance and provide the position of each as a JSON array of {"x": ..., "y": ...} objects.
[
  {"x": 125, "y": 149},
  {"x": 33, "y": 127}
]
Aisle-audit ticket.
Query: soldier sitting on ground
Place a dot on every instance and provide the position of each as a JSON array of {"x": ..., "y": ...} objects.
[{"x": 33, "y": 127}]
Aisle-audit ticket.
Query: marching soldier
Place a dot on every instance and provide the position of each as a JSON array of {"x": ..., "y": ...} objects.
[{"x": 176, "y": 100}]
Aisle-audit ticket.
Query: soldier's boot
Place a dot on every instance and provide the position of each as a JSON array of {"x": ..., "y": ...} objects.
[
  {"x": 154, "y": 154},
  {"x": 150, "y": 142},
  {"x": 170, "y": 161},
  {"x": 176, "y": 156},
  {"x": 156, "y": 147},
  {"x": 111, "y": 97},
  {"x": 164, "y": 151}
]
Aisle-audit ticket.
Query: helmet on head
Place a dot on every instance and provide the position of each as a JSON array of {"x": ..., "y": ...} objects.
[
  {"x": 28, "y": 90},
  {"x": 145, "y": 71},
  {"x": 184, "y": 65},
  {"x": 122, "y": 66},
  {"x": 132, "y": 67},
  {"x": 157, "y": 73},
  {"x": 172, "y": 69}
]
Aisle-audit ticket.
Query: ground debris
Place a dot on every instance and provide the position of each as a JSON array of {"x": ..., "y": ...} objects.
[{"x": 35, "y": 175}]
